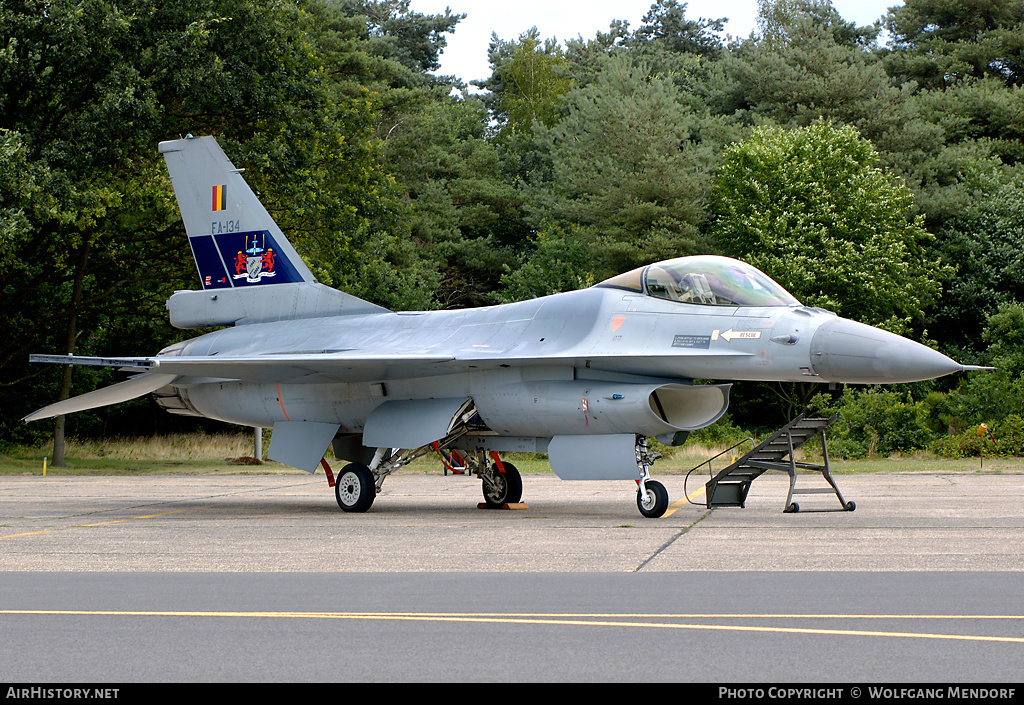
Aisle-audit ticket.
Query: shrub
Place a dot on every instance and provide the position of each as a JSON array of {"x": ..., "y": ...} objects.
[
  {"x": 875, "y": 422},
  {"x": 1004, "y": 439}
]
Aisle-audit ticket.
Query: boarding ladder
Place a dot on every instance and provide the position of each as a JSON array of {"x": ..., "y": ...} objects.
[{"x": 777, "y": 452}]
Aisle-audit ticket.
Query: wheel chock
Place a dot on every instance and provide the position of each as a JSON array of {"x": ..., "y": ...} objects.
[{"x": 507, "y": 505}]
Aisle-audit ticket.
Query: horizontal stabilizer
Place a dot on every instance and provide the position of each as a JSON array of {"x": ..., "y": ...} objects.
[
  {"x": 123, "y": 391},
  {"x": 284, "y": 302}
]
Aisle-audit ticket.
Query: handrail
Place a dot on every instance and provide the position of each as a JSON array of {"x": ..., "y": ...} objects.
[
  {"x": 708, "y": 463},
  {"x": 732, "y": 447}
]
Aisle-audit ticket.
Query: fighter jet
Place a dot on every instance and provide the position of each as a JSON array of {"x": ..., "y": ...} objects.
[{"x": 586, "y": 377}]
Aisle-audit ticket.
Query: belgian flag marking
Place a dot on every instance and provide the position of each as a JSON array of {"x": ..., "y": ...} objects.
[{"x": 220, "y": 198}]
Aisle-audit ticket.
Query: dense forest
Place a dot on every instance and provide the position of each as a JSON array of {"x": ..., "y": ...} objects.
[{"x": 882, "y": 179}]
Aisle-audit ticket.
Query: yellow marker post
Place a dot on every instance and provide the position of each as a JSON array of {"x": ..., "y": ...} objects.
[
  {"x": 982, "y": 429},
  {"x": 44, "y": 466}
]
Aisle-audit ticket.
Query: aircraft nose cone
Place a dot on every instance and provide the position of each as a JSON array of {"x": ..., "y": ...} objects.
[{"x": 851, "y": 352}]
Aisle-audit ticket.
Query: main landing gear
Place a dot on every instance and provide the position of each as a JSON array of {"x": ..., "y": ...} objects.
[
  {"x": 358, "y": 485},
  {"x": 502, "y": 483},
  {"x": 355, "y": 489}
]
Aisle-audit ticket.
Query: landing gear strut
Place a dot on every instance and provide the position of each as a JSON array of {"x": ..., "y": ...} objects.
[
  {"x": 651, "y": 495},
  {"x": 359, "y": 484}
]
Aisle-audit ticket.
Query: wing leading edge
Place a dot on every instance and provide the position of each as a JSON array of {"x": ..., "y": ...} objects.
[{"x": 345, "y": 366}]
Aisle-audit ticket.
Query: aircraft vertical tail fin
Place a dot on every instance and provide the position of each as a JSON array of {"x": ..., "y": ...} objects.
[{"x": 234, "y": 240}]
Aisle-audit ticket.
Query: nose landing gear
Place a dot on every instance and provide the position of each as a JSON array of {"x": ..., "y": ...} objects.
[
  {"x": 651, "y": 495},
  {"x": 652, "y": 499}
]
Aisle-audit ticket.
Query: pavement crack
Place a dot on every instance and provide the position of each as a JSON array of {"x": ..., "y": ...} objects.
[{"x": 664, "y": 546}]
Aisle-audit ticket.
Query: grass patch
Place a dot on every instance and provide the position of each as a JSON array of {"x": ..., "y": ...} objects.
[
  {"x": 187, "y": 454},
  {"x": 231, "y": 454}
]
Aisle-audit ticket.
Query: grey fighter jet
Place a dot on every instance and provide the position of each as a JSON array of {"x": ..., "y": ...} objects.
[{"x": 585, "y": 376}]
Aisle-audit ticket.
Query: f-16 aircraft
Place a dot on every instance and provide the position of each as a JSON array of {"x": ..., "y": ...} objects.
[{"x": 586, "y": 377}]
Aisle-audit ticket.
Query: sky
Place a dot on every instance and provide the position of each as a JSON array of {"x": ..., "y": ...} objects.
[{"x": 466, "y": 53}]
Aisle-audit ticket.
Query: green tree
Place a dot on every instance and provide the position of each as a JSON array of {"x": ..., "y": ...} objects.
[
  {"x": 939, "y": 43},
  {"x": 627, "y": 166},
  {"x": 959, "y": 66},
  {"x": 457, "y": 217},
  {"x": 529, "y": 79},
  {"x": 413, "y": 39},
  {"x": 983, "y": 112},
  {"x": 993, "y": 396},
  {"x": 465, "y": 217},
  {"x": 876, "y": 422},
  {"x": 985, "y": 245},
  {"x": 90, "y": 88},
  {"x": 807, "y": 63},
  {"x": 1004, "y": 334},
  {"x": 812, "y": 209},
  {"x": 559, "y": 261},
  {"x": 666, "y": 25}
]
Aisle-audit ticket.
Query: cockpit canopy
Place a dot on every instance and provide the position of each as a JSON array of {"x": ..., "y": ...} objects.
[{"x": 704, "y": 279}]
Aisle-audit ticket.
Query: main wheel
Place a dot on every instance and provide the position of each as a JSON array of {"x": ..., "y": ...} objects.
[
  {"x": 355, "y": 489},
  {"x": 654, "y": 502},
  {"x": 507, "y": 487}
]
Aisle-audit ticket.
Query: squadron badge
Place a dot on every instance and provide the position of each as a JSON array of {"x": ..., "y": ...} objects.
[{"x": 256, "y": 261}]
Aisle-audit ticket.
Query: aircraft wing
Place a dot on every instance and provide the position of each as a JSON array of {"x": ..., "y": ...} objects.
[
  {"x": 311, "y": 367},
  {"x": 115, "y": 394},
  {"x": 306, "y": 367},
  {"x": 342, "y": 366},
  {"x": 354, "y": 365}
]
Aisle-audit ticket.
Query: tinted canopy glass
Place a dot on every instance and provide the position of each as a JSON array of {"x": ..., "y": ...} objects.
[{"x": 705, "y": 279}]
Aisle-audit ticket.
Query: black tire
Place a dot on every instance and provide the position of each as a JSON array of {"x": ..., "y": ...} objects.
[
  {"x": 850, "y": 506},
  {"x": 792, "y": 509},
  {"x": 355, "y": 489},
  {"x": 655, "y": 503},
  {"x": 508, "y": 487}
]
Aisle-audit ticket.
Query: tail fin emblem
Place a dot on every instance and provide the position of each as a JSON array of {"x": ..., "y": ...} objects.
[{"x": 257, "y": 261}]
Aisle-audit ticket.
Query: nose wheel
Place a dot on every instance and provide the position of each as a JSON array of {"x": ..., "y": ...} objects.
[
  {"x": 652, "y": 499},
  {"x": 651, "y": 495}
]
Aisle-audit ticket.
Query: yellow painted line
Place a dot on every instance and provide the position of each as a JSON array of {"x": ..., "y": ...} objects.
[
  {"x": 686, "y": 500},
  {"x": 29, "y": 533},
  {"x": 508, "y": 615},
  {"x": 598, "y": 620},
  {"x": 103, "y": 523}
]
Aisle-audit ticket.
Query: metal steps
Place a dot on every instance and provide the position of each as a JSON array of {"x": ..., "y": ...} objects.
[{"x": 729, "y": 487}]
